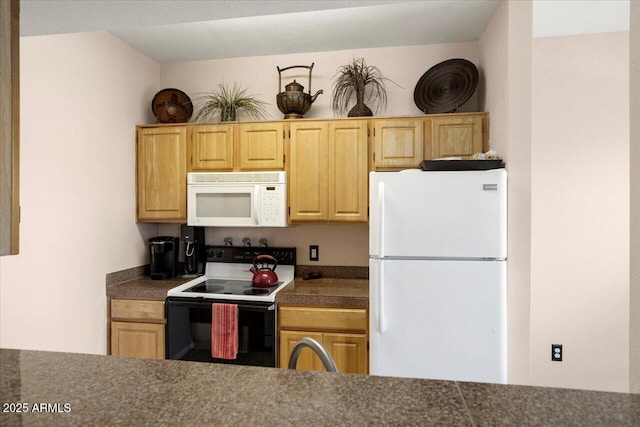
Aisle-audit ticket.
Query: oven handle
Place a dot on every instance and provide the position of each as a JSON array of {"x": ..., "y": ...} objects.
[
  {"x": 202, "y": 301},
  {"x": 269, "y": 308}
]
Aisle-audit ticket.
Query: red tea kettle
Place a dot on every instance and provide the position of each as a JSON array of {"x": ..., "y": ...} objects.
[{"x": 263, "y": 276}]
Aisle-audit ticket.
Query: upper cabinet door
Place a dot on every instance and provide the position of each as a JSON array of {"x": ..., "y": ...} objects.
[
  {"x": 308, "y": 174},
  {"x": 262, "y": 146},
  {"x": 348, "y": 171},
  {"x": 398, "y": 143},
  {"x": 162, "y": 174},
  {"x": 456, "y": 136},
  {"x": 211, "y": 147}
]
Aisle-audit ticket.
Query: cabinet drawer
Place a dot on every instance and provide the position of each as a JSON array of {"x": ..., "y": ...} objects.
[
  {"x": 324, "y": 319},
  {"x": 137, "y": 309}
]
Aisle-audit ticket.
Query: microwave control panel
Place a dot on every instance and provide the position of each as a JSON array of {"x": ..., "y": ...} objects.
[{"x": 273, "y": 205}]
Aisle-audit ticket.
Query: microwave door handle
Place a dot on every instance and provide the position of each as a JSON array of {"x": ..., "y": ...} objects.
[{"x": 255, "y": 218}]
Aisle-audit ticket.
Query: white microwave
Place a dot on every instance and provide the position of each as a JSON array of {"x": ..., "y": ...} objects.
[{"x": 237, "y": 199}]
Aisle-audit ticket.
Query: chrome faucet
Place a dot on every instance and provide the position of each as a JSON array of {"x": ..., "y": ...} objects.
[{"x": 314, "y": 345}]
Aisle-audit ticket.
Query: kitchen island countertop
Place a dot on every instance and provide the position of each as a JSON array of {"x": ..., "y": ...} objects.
[{"x": 78, "y": 389}]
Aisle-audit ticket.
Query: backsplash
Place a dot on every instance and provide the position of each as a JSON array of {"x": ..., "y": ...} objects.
[
  {"x": 335, "y": 272},
  {"x": 338, "y": 244}
]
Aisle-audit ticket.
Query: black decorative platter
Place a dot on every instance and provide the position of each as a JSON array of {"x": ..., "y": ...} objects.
[{"x": 445, "y": 87}]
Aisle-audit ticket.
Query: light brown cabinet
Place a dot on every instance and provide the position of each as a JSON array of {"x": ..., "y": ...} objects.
[
  {"x": 404, "y": 143},
  {"x": 328, "y": 178},
  {"x": 327, "y": 161},
  {"x": 307, "y": 360},
  {"x": 348, "y": 171},
  {"x": 137, "y": 328},
  {"x": 342, "y": 331},
  {"x": 166, "y": 153},
  {"x": 398, "y": 143},
  {"x": 162, "y": 174},
  {"x": 211, "y": 147},
  {"x": 261, "y": 146},
  {"x": 455, "y": 136},
  {"x": 308, "y": 171},
  {"x": 237, "y": 147}
]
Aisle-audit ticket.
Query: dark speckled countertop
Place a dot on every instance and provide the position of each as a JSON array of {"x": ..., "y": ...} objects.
[
  {"x": 144, "y": 288},
  {"x": 79, "y": 389},
  {"x": 352, "y": 292}
]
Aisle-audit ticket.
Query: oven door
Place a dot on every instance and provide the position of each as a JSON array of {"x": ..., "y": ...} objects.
[
  {"x": 188, "y": 332},
  {"x": 223, "y": 205}
]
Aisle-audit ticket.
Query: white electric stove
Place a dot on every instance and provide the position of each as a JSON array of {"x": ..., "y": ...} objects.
[
  {"x": 227, "y": 280},
  {"x": 228, "y": 276}
]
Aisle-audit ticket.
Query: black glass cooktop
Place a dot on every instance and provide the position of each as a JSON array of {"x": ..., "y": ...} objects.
[{"x": 230, "y": 287}]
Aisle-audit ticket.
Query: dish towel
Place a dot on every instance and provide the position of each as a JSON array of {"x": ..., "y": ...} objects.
[{"x": 224, "y": 331}]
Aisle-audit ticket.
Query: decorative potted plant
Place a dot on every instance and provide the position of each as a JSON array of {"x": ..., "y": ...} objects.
[
  {"x": 357, "y": 79},
  {"x": 229, "y": 102}
]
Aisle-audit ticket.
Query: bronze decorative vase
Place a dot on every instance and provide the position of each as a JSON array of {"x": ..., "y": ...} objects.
[{"x": 360, "y": 109}]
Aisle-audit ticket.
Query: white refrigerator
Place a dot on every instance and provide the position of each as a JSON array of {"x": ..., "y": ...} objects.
[{"x": 438, "y": 276}]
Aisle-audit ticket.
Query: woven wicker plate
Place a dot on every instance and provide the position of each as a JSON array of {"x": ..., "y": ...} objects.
[
  {"x": 172, "y": 106},
  {"x": 445, "y": 87}
]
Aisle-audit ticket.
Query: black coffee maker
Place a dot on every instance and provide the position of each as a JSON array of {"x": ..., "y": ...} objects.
[
  {"x": 163, "y": 257},
  {"x": 194, "y": 250}
]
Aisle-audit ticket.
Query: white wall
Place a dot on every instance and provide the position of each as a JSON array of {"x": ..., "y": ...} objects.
[
  {"x": 343, "y": 244},
  {"x": 580, "y": 211},
  {"x": 505, "y": 57},
  {"x": 634, "y": 140},
  {"x": 339, "y": 244},
  {"x": 568, "y": 220},
  {"x": 404, "y": 65},
  {"x": 81, "y": 96}
]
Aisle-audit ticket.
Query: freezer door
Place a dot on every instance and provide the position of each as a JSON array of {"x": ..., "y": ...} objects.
[
  {"x": 438, "y": 319},
  {"x": 438, "y": 214}
]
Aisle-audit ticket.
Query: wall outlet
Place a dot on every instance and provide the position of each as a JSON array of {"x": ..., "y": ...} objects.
[
  {"x": 556, "y": 352},
  {"x": 314, "y": 253}
]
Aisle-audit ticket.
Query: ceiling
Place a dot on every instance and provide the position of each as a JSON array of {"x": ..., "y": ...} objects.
[{"x": 184, "y": 30}]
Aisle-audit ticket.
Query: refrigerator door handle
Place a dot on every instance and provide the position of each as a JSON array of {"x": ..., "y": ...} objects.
[
  {"x": 378, "y": 295},
  {"x": 381, "y": 325},
  {"x": 380, "y": 222}
]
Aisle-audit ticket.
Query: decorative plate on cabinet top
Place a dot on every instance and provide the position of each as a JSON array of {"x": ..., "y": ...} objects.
[
  {"x": 445, "y": 87},
  {"x": 172, "y": 106}
]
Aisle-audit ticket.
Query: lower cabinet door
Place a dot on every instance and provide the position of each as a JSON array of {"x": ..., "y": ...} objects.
[
  {"x": 349, "y": 352},
  {"x": 308, "y": 360},
  {"x": 137, "y": 339}
]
